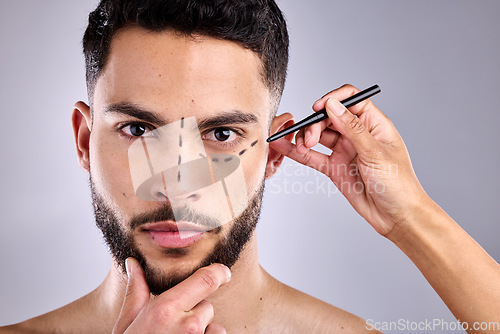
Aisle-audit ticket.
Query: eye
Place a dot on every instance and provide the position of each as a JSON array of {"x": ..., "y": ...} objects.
[
  {"x": 135, "y": 129},
  {"x": 223, "y": 135}
]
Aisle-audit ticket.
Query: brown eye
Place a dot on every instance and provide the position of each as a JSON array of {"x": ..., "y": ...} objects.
[
  {"x": 135, "y": 129},
  {"x": 222, "y": 134}
]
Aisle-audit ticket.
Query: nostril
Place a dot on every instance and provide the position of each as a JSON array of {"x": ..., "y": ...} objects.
[
  {"x": 161, "y": 196},
  {"x": 193, "y": 196}
]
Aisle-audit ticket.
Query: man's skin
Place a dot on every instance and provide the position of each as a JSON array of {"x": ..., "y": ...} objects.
[{"x": 176, "y": 76}]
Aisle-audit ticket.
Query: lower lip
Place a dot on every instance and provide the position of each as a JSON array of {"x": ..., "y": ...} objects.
[{"x": 175, "y": 239}]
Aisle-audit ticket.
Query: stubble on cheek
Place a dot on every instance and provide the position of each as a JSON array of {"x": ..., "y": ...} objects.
[{"x": 110, "y": 169}]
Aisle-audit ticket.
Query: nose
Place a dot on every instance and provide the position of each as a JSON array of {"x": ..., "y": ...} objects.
[
  {"x": 158, "y": 192},
  {"x": 179, "y": 183},
  {"x": 161, "y": 164}
]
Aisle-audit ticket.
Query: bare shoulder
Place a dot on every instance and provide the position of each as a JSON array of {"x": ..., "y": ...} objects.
[
  {"x": 305, "y": 314},
  {"x": 75, "y": 317},
  {"x": 51, "y": 322},
  {"x": 13, "y": 329},
  {"x": 35, "y": 325}
]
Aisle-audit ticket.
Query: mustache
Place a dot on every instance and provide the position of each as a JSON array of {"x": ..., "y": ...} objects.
[{"x": 166, "y": 212}]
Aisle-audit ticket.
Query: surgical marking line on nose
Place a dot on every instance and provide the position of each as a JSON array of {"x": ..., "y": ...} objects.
[
  {"x": 147, "y": 156},
  {"x": 164, "y": 184},
  {"x": 210, "y": 168},
  {"x": 201, "y": 155},
  {"x": 180, "y": 151}
]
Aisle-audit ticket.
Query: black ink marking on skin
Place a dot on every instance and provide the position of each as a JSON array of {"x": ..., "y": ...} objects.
[
  {"x": 215, "y": 159},
  {"x": 180, "y": 140},
  {"x": 201, "y": 155},
  {"x": 255, "y": 142},
  {"x": 228, "y": 159},
  {"x": 179, "y": 176},
  {"x": 179, "y": 162},
  {"x": 242, "y": 151},
  {"x": 182, "y": 122}
]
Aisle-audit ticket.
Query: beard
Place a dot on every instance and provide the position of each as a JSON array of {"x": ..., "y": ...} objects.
[{"x": 121, "y": 243}]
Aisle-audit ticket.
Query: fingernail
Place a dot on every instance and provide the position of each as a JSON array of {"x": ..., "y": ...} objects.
[
  {"x": 336, "y": 107},
  {"x": 307, "y": 136},
  {"x": 128, "y": 268},
  {"x": 228, "y": 272}
]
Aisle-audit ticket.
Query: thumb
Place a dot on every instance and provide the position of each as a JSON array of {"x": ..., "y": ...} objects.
[
  {"x": 136, "y": 296},
  {"x": 350, "y": 126}
]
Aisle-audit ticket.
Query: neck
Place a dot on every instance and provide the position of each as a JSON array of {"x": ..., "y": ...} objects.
[{"x": 234, "y": 303}]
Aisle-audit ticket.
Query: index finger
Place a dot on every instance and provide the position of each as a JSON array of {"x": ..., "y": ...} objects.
[
  {"x": 196, "y": 287},
  {"x": 342, "y": 93}
]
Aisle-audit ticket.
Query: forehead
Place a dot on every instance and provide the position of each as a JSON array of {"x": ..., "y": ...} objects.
[{"x": 181, "y": 75}]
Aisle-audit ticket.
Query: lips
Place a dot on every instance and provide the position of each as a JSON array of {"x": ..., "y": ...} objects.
[
  {"x": 170, "y": 234},
  {"x": 170, "y": 226}
]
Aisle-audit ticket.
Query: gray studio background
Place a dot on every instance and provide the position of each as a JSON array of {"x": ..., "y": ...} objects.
[{"x": 437, "y": 63}]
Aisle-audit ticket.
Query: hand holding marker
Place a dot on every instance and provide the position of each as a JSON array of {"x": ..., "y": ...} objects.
[{"x": 321, "y": 115}]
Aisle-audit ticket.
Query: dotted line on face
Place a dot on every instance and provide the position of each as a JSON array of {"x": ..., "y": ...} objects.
[
  {"x": 179, "y": 161},
  {"x": 180, "y": 145},
  {"x": 239, "y": 153}
]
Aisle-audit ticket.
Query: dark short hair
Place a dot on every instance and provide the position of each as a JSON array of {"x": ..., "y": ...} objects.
[{"x": 257, "y": 25}]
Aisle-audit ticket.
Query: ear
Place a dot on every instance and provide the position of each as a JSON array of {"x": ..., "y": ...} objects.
[
  {"x": 274, "y": 158},
  {"x": 82, "y": 120}
]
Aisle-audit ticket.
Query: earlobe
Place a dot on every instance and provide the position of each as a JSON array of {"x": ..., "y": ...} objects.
[
  {"x": 81, "y": 121},
  {"x": 274, "y": 158}
]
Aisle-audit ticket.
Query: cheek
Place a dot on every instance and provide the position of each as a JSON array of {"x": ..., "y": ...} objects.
[
  {"x": 110, "y": 168},
  {"x": 254, "y": 167}
]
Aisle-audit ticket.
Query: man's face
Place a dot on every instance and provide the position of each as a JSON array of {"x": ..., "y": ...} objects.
[{"x": 173, "y": 77}]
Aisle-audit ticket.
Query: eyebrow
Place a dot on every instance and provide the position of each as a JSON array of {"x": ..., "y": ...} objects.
[
  {"x": 226, "y": 118},
  {"x": 217, "y": 120},
  {"x": 130, "y": 109}
]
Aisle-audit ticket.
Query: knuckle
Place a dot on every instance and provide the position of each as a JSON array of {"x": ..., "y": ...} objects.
[
  {"x": 162, "y": 313},
  {"x": 306, "y": 159},
  {"x": 208, "y": 278},
  {"x": 356, "y": 125},
  {"x": 193, "y": 325},
  {"x": 209, "y": 308}
]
